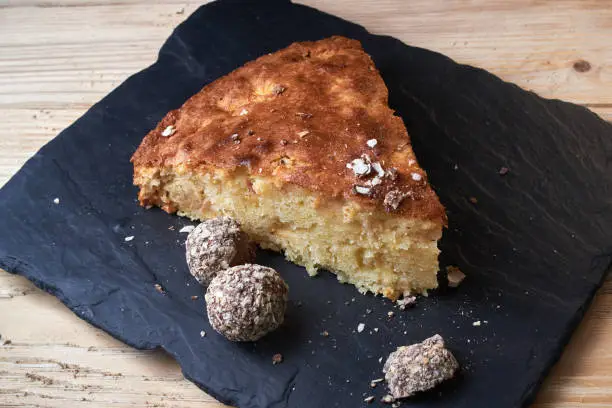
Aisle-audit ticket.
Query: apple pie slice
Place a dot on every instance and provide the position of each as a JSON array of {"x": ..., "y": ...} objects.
[{"x": 301, "y": 147}]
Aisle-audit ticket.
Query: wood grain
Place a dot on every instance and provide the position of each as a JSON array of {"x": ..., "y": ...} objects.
[{"x": 57, "y": 58}]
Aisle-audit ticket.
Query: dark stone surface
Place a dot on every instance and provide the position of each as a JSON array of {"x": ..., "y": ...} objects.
[{"x": 535, "y": 246}]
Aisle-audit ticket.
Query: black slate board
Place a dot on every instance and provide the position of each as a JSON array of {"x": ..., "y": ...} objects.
[{"x": 535, "y": 246}]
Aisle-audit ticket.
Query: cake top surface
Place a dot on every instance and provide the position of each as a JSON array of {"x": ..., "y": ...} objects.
[{"x": 314, "y": 114}]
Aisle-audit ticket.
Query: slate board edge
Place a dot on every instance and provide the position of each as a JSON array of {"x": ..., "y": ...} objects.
[{"x": 15, "y": 266}]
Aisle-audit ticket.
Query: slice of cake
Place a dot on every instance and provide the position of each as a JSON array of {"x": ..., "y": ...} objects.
[{"x": 302, "y": 149}]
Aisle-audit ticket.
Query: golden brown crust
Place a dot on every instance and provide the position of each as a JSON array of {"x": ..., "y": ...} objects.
[{"x": 300, "y": 115}]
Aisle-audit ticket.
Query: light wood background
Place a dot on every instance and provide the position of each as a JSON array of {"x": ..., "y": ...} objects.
[{"x": 59, "y": 57}]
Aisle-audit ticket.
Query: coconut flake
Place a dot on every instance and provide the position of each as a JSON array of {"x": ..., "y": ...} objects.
[
  {"x": 187, "y": 228},
  {"x": 363, "y": 190},
  {"x": 378, "y": 169},
  {"x": 360, "y": 327},
  {"x": 168, "y": 131},
  {"x": 128, "y": 239},
  {"x": 360, "y": 167},
  {"x": 243, "y": 112},
  {"x": 416, "y": 176},
  {"x": 375, "y": 181},
  {"x": 372, "y": 142}
]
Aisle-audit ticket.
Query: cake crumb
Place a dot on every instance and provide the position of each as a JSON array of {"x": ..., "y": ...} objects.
[
  {"x": 129, "y": 238},
  {"x": 503, "y": 171},
  {"x": 360, "y": 327},
  {"x": 454, "y": 276},
  {"x": 325, "y": 333},
  {"x": 277, "y": 358},
  {"x": 406, "y": 301},
  {"x": 373, "y": 383},
  {"x": 202, "y": 333},
  {"x": 56, "y": 200},
  {"x": 473, "y": 200},
  {"x": 372, "y": 143},
  {"x": 394, "y": 198},
  {"x": 194, "y": 297},
  {"x": 159, "y": 288},
  {"x": 390, "y": 313}
]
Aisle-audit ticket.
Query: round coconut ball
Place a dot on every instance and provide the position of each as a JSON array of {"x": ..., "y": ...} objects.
[
  {"x": 217, "y": 244},
  {"x": 246, "y": 302}
]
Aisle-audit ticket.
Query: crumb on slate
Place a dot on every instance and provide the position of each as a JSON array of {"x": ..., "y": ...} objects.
[
  {"x": 406, "y": 301},
  {"x": 360, "y": 327},
  {"x": 503, "y": 171},
  {"x": 454, "y": 276},
  {"x": 373, "y": 383},
  {"x": 202, "y": 333},
  {"x": 277, "y": 358},
  {"x": 159, "y": 288}
]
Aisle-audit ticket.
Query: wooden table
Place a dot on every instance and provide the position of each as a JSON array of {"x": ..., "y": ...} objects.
[{"x": 59, "y": 57}]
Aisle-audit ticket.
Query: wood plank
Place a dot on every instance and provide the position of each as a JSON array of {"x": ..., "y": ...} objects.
[
  {"x": 58, "y": 57},
  {"x": 54, "y": 359}
]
